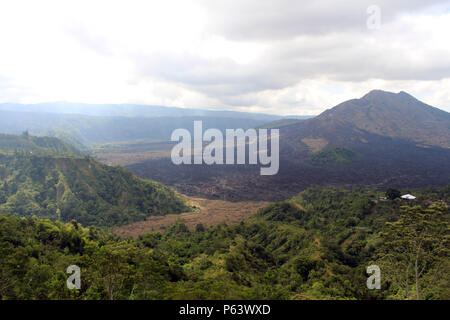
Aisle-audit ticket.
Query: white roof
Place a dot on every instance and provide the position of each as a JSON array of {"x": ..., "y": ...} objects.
[{"x": 408, "y": 196}]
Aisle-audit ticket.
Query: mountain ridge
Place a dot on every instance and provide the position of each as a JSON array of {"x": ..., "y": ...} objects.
[{"x": 131, "y": 110}]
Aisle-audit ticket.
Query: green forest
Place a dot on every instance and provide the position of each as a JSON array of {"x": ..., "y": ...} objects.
[
  {"x": 315, "y": 246},
  {"x": 46, "y": 178},
  {"x": 27, "y": 144},
  {"x": 334, "y": 156}
]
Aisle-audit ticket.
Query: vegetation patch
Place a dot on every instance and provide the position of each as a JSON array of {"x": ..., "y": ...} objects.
[{"x": 334, "y": 156}]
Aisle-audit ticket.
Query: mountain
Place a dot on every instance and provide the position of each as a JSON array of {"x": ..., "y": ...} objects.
[
  {"x": 340, "y": 147},
  {"x": 61, "y": 186},
  {"x": 378, "y": 117},
  {"x": 395, "y": 115}
]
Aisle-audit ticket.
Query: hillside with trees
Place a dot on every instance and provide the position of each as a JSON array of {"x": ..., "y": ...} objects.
[
  {"x": 45, "y": 177},
  {"x": 25, "y": 143},
  {"x": 315, "y": 246}
]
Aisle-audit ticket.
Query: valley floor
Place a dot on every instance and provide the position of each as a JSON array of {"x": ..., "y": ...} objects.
[{"x": 206, "y": 212}]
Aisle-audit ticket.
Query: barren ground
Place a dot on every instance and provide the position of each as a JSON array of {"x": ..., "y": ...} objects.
[{"x": 207, "y": 212}]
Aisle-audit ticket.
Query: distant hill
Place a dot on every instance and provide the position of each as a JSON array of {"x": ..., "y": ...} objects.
[
  {"x": 88, "y": 130},
  {"x": 381, "y": 140},
  {"x": 62, "y": 186},
  {"x": 83, "y": 124},
  {"x": 132, "y": 111}
]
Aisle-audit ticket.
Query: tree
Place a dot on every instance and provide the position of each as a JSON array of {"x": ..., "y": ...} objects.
[
  {"x": 416, "y": 244},
  {"x": 112, "y": 269},
  {"x": 392, "y": 194},
  {"x": 200, "y": 228}
]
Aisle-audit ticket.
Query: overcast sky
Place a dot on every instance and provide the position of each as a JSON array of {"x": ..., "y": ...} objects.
[{"x": 280, "y": 56}]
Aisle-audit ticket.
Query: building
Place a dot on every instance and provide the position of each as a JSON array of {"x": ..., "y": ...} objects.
[{"x": 408, "y": 197}]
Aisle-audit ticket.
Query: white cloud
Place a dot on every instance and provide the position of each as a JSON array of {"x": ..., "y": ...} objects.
[{"x": 284, "y": 57}]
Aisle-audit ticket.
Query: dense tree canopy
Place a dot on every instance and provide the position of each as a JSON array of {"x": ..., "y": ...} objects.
[
  {"x": 66, "y": 187},
  {"x": 314, "y": 246}
]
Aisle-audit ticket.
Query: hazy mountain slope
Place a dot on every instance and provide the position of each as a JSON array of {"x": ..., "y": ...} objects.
[
  {"x": 103, "y": 129},
  {"x": 395, "y": 115},
  {"x": 280, "y": 123},
  {"x": 131, "y": 110},
  {"x": 58, "y": 186}
]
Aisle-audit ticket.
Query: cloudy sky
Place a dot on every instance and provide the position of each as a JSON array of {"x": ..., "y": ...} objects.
[{"x": 280, "y": 56}]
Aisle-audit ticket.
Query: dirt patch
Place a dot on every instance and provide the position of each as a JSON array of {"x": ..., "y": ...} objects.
[
  {"x": 126, "y": 153},
  {"x": 125, "y": 159},
  {"x": 315, "y": 144},
  {"x": 207, "y": 212},
  {"x": 298, "y": 205}
]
